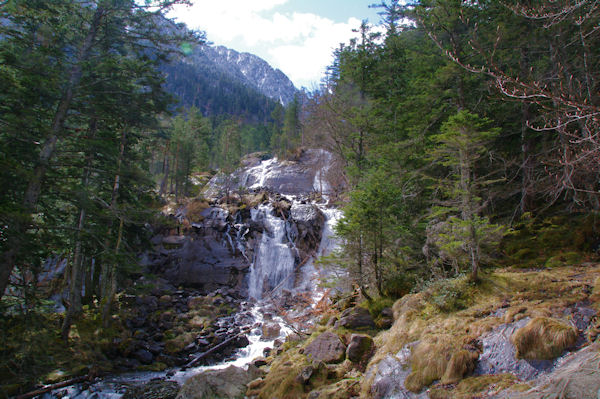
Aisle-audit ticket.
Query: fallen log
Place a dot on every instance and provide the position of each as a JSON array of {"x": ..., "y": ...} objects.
[
  {"x": 63, "y": 384},
  {"x": 213, "y": 349}
]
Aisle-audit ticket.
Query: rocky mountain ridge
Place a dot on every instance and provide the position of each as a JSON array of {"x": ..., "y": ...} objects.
[
  {"x": 253, "y": 71},
  {"x": 221, "y": 81}
]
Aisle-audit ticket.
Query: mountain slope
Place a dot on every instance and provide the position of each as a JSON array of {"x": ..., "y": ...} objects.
[
  {"x": 254, "y": 71},
  {"x": 221, "y": 81}
]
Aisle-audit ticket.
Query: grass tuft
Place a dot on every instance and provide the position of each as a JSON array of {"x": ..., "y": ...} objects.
[{"x": 543, "y": 338}]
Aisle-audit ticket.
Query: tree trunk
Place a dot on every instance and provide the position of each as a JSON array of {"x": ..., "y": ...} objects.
[
  {"x": 163, "y": 183},
  {"x": 109, "y": 268},
  {"x": 75, "y": 285}
]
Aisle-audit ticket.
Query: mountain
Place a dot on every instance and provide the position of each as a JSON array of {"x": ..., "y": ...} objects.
[
  {"x": 254, "y": 71},
  {"x": 218, "y": 81}
]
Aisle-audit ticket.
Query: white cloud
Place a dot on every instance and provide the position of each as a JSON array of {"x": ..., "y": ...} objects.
[{"x": 300, "y": 44}]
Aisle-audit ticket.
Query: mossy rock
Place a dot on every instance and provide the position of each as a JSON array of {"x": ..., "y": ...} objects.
[
  {"x": 282, "y": 381},
  {"x": 543, "y": 338},
  {"x": 56, "y": 376},
  {"x": 177, "y": 344}
]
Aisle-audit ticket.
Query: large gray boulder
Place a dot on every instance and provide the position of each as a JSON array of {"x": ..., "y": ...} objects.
[
  {"x": 326, "y": 348},
  {"x": 229, "y": 383}
]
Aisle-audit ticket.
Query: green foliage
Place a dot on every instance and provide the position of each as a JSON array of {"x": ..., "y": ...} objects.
[{"x": 450, "y": 295}]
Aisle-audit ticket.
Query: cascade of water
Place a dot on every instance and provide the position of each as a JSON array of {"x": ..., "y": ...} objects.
[
  {"x": 320, "y": 183},
  {"x": 229, "y": 239},
  {"x": 274, "y": 262},
  {"x": 258, "y": 174}
]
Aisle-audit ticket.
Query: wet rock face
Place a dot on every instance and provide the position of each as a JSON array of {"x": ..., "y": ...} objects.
[
  {"x": 326, "y": 348},
  {"x": 308, "y": 226},
  {"x": 578, "y": 376},
  {"x": 206, "y": 264},
  {"x": 499, "y": 354},
  {"x": 389, "y": 376},
  {"x": 287, "y": 177},
  {"x": 205, "y": 258}
]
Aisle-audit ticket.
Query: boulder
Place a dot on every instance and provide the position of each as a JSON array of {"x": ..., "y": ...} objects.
[
  {"x": 355, "y": 318},
  {"x": 260, "y": 361},
  {"x": 144, "y": 356},
  {"x": 305, "y": 375},
  {"x": 229, "y": 383},
  {"x": 326, "y": 348},
  {"x": 360, "y": 348},
  {"x": 270, "y": 331},
  {"x": 155, "y": 389},
  {"x": 174, "y": 241}
]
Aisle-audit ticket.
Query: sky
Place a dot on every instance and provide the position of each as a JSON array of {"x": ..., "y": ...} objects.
[{"x": 295, "y": 36}]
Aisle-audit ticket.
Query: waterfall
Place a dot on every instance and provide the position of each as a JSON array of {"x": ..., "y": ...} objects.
[{"x": 274, "y": 261}]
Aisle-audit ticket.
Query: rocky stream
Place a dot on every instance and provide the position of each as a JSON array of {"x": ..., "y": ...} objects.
[{"x": 252, "y": 265}]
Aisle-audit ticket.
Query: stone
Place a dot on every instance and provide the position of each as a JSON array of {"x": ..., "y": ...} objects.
[
  {"x": 270, "y": 331},
  {"x": 155, "y": 389},
  {"x": 174, "y": 240},
  {"x": 499, "y": 354},
  {"x": 305, "y": 374},
  {"x": 165, "y": 301},
  {"x": 360, "y": 348},
  {"x": 144, "y": 356},
  {"x": 355, "y": 318},
  {"x": 194, "y": 302},
  {"x": 326, "y": 348},
  {"x": 387, "y": 312},
  {"x": 260, "y": 361},
  {"x": 577, "y": 376},
  {"x": 228, "y": 383},
  {"x": 388, "y": 376}
]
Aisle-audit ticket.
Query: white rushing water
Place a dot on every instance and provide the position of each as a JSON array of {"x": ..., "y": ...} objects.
[
  {"x": 259, "y": 174},
  {"x": 274, "y": 261}
]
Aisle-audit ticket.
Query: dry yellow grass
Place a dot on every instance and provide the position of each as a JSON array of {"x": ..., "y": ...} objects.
[
  {"x": 543, "y": 338},
  {"x": 444, "y": 352}
]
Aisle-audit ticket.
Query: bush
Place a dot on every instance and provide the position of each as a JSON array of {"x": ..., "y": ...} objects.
[{"x": 449, "y": 295}]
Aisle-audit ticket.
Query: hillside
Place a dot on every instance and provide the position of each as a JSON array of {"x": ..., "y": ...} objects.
[{"x": 220, "y": 81}]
